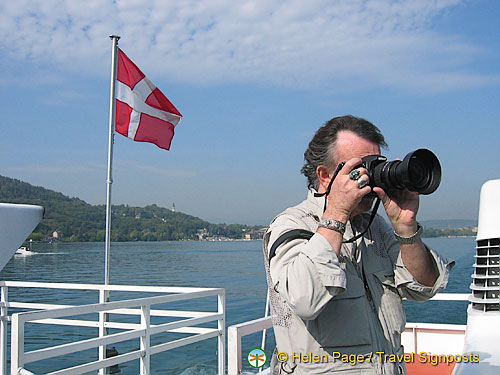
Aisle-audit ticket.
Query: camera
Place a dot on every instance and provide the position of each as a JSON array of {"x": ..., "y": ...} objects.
[{"x": 419, "y": 171}]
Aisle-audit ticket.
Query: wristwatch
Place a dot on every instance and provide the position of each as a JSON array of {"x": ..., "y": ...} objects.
[
  {"x": 413, "y": 238},
  {"x": 332, "y": 224}
]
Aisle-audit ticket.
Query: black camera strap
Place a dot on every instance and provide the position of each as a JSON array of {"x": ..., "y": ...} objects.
[
  {"x": 372, "y": 217},
  {"x": 329, "y": 188},
  {"x": 325, "y": 194}
]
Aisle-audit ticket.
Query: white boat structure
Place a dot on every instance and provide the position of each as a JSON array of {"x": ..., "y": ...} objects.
[
  {"x": 445, "y": 341},
  {"x": 25, "y": 250}
]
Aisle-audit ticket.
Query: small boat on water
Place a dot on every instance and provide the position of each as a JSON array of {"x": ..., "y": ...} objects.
[{"x": 23, "y": 250}]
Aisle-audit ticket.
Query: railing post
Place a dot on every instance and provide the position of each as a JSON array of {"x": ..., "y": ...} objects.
[
  {"x": 17, "y": 345},
  {"x": 145, "y": 340},
  {"x": 221, "y": 325},
  {"x": 415, "y": 339},
  {"x": 264, "y": 331},
  {"x": 103, "y": 318},
  {"x": 3, "y": 330},
  {"x": 234, "y": 364}
]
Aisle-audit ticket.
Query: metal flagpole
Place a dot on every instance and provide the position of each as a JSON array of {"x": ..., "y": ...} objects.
[
  {"x": 104, "y": 294},
  {"x": 109, "y": 181}
]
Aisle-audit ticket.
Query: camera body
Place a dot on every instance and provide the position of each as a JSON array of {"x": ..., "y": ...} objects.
[{"x": 419, "y": 171}]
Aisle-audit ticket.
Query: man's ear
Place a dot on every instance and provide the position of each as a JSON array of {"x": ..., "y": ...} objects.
[{"x": 324, "y": 176}]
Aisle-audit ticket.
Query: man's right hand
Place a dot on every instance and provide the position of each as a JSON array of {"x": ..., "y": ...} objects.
[{"x": 345, "y": 194}]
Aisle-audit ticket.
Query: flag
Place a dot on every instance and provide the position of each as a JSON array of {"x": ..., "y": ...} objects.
[{"x": 143, "y": 113}]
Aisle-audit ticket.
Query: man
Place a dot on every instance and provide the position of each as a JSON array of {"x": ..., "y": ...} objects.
[{"x": 337, "y": 306}]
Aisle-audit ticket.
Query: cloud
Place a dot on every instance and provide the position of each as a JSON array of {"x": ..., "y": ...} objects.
[
  {"x": 286, "y": 43},
  {"x": 127, "y": 165}
]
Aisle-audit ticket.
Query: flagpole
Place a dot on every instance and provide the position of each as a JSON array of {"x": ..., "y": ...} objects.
[{"x": 109, "y": 181}]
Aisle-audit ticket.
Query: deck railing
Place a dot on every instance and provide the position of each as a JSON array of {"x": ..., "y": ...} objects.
[
  {"x": 415, "y": 333},
  {"x": 53, "y": 314}
]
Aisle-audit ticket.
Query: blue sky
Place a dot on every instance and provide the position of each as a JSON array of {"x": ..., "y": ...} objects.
[{"x": 253, "y": 80}]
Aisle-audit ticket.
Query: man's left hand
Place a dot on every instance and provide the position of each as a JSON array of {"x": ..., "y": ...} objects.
[{"x": 401, "y": 208}]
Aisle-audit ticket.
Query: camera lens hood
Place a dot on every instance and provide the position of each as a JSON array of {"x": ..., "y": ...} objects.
[{"x": 420, "y": 171}]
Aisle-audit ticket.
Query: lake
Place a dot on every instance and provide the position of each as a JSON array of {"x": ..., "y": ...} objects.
[{"x": 236, "y": 266}]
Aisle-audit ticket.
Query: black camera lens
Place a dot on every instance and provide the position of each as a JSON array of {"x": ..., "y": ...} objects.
[
  {"x": 423, "y": 171},
  {"x": 419, "y": 171}
]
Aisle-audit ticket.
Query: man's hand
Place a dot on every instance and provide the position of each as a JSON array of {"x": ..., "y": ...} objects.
[
  {"x": 344, "y": 197},
  {"x": 345, "y": 194},
  {"x": 401, "y": 208}
]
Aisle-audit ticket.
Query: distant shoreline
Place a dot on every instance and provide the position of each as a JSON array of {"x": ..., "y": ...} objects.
[{"x": 219, "y": 240}]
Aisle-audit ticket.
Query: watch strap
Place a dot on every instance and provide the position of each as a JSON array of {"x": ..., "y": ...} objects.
[
  {"x": 413, "y": 238},
  {"x": 332, "y": 224}
]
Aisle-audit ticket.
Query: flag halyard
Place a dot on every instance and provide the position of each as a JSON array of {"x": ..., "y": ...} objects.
[{"x": 143, "y": 112}]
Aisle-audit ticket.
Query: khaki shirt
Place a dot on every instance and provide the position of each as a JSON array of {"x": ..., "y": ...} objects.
[{"x": 327, "y": 308}]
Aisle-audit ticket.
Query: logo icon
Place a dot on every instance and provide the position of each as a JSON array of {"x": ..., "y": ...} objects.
[{"x": 256, "y": 358}]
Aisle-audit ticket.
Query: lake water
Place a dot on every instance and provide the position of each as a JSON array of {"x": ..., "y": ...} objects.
[{"x": 235, "y": 266}]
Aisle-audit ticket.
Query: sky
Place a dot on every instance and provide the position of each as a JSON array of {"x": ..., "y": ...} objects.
[{"x": 254, "y": 80}]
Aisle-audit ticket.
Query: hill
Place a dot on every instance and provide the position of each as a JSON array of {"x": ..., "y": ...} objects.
[
  {"x": 449, "y": 223},
  {"x": 76, "y": 220}
]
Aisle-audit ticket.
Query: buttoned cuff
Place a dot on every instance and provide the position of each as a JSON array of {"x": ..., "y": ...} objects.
[{"x": 442, "y": 268}]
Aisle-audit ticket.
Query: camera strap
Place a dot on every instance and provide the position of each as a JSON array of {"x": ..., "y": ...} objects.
[
  {"x": 325, "y": 194},
  {"x": 372, "y": 216}
]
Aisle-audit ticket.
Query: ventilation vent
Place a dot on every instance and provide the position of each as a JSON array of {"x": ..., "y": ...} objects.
[{"x": 486, "y": 278}]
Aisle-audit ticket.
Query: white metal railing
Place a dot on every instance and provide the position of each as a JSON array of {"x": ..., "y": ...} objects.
[
  {"x": 54, "y": 314},
  {"x": 236, "y": 332},
  {"x": 234, "y": 335}
]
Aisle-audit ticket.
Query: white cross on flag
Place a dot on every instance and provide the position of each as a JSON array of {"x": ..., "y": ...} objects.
[{"x": 143, "y": 113}]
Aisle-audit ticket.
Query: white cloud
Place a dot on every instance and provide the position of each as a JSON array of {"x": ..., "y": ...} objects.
[
  {"x": 293, "y": 43},
  {"x": 128, "y": 165}
]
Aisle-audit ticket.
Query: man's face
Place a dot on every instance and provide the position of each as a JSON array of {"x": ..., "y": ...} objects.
[{"x": 349, "y": 146}]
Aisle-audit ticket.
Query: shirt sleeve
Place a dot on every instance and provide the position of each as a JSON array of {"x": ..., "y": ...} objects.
[
  {"x": 306, "y": 273},
  {"x": 406, "y": 283}
]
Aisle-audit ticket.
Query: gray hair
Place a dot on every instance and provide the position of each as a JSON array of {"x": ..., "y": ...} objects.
[{"x": 320, "y": 149}]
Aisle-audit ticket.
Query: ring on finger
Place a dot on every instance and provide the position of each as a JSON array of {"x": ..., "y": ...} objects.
[
  {"x": 362, "y": 183},
  {"x": 354, "y": 174}
]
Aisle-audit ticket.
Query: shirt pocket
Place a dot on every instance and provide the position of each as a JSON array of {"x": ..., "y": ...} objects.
[
  {"x": 344, "y": 320},
  {"x": 391, "y": 304}
]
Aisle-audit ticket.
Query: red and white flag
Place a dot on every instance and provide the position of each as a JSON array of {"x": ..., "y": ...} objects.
[{"x": 143, "y": 113}]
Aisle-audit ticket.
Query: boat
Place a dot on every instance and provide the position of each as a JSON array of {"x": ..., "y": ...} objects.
[
  {"x": 23, "y": 250},
  {"x": 431, "y": 348}
]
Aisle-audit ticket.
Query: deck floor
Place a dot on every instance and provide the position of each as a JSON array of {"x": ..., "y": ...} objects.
[{"x": 418, "y": 368}]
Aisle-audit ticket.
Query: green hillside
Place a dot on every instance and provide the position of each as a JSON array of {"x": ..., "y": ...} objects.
[{"x": 76, "y": 220}]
